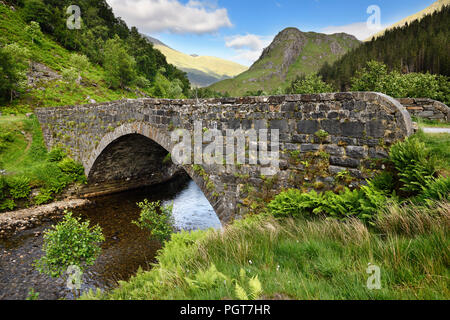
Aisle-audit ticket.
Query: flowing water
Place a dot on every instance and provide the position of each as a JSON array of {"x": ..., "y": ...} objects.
[{"x": 126, "y": 248}]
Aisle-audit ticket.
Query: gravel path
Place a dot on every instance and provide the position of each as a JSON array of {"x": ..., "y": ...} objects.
[{"x": 436, "y": 130}]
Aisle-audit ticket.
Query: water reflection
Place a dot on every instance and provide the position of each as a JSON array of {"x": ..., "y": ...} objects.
[{"x": 192, "y": 211}]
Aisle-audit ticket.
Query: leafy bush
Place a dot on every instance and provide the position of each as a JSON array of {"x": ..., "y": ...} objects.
[
  {"x": 70, "y": 75},
  {"x": 438, "y": 189},
  {"x": 375, "y": 77},
  {"x": 294, "y": 203},
  {"x": 73, "y": 169},
  {"x": 7, "y": 205},
  {"x": 415, "y": 166},
  {"x": 44, "y": 196},
  {"x": 56, "y": 155},
  {"x": 19, "y": 187},
  {"x": 156, "y": 218},
  {"x": 363, "y": 203},
  {"x": 384, "y": 182},
  {"x": 69, "y": 243},
  {"x": 309, "y": 84},
  {"x": 79, "y": 61}
]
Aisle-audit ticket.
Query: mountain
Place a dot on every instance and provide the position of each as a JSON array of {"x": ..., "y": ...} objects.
[
  {"x": 202, "y": 71},
  {"x": 420, "y": 46},
  {"x": 437, "y": 6},
  {"x": 292, "y": 53}
]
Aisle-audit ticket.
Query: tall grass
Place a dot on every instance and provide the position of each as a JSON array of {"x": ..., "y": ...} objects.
[{"x": 306, "y": 259}]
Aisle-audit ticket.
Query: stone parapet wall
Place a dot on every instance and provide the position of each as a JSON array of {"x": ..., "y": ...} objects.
[{"x": 425, "y": 108}]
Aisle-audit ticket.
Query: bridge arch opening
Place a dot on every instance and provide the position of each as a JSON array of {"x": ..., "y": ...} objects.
[{"x": 131, "y": 160}]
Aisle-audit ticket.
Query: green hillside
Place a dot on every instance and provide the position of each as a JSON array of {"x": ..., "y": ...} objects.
[
  {"x": 202, "y": 71},
  {"x": 52, "y": 56},
  {"x": 420, "y": 46},
  {"x": 292, "y": 53}
]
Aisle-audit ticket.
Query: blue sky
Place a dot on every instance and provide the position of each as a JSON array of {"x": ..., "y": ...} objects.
[{"x": 238, "y": 30}]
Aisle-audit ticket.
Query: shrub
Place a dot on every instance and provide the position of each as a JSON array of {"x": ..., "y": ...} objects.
[
  {"x": 384, "y": 182},
  {"x": 309, "y": 84},
  {"x": 73, "y": 169},
  {"x": 7, "y": 204},
  {"x": 19, "y": 187},
  {"x": 415, "y": 165},
  {"x": 438, "y": 189},
  {"x": 44, "y": 196},
  {"x": 79, "y": 61},
  {"x": 294, "y": 203},
  {"x": 69, "y": 243},
  {"x": 363, "y": 203},
  {"x": 56, "y": 155},
  {"x": 70, "y": 75},
  {"x": 156, "y": 218}
]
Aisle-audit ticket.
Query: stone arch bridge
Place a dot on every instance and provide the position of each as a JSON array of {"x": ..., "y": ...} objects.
[{"x": 125, "y": 144}]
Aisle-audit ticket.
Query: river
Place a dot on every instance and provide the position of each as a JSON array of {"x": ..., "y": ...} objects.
[{"x": 126, "y": 248}]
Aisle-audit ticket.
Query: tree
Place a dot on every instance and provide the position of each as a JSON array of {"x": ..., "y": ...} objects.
[
  {"x": 34, "y": 31},
  {"x": 156, "y": 218},
  {"x": 120, "y": 67},
  {"x": 71, "y": 243},
  {"x": 309, "y": 84},
  {"x": 13, "y": 67}
]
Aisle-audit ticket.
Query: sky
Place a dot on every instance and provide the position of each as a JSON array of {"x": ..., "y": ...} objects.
[{"x": 238, "y": 30}]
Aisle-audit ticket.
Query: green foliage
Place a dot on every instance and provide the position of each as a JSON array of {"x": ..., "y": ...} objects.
[
  {"x": 120, "y": 67},
  {"x": 56, "y": 155},
  {"x": 13, "y": 66},
  {"x": 44, "y": 196},
  {"x": 309, "y": 84},
  {"x": 438, "y": 189},
  {"x": 7, "y": 204},
  {"x": 70, "y": 243},
  {"x": 328, "y": 258},
  {"x": 79, "y": 61},
  {"x": 70, "y": 75},
  {"x": 363, "y": 203},
  {"x": 34, "y": 32},
  {"x": 415, "y": 166},
  {"x": 206, "y": 279},
  {"x": 420, "y": 46},
  {"x": 19, "y": 187},
  {"x": 375, "y": 77},
  {"x": 157, "y": 219},
  {"x": 71, "y": 168},
  {"x": 384, "y": 182},
  {"x": 32, "y": 295},
  {"x": 248, "y": 289}
]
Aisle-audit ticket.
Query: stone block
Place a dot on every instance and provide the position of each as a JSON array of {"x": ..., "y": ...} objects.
[{"x": 308, "y": 126}]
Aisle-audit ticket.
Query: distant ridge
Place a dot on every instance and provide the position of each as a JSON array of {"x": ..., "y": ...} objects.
[
  {"x": 202, "y": 71},
  {"x": 419, "y": 15}
]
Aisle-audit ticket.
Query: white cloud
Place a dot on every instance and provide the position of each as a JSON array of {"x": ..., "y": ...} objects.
[
  {"x": 360, "y": 30},
  {"x": 248, "y": 47},
  {"x": 151, "y": 16}
]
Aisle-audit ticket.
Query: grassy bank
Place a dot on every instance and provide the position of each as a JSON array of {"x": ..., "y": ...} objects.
[
  {"x": 304, "y": 259},
  {"x": 28, "y": 166}
]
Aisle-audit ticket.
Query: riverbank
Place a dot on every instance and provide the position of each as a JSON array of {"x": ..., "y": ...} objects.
[
  {"x": 303, "y": 259},
  {"x": 20, "y": 220}
]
